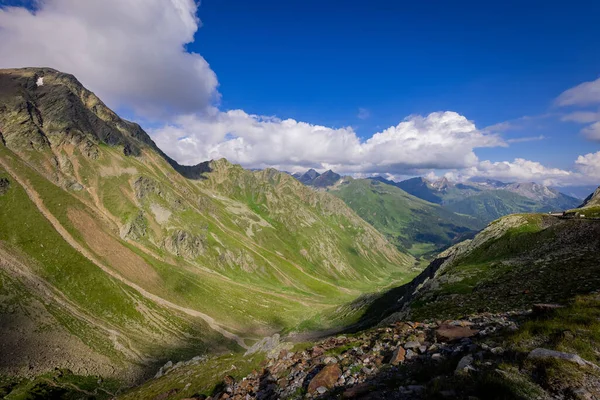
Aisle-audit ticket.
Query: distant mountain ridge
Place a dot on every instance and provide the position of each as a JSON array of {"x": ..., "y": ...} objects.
[
  {"x": 315, "y": 179},
  {"x": 489, "y": 199}
]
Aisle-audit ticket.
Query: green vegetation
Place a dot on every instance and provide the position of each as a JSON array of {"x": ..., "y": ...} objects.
[
  {"x": 490, "y": 205},
  {"x": 412, "y": 224},
  {"x": 572, "y": 329},
  {"x": 61, "y": 384},
  {"x": 517, "y": 261},
  {"x": 202, "y": 378}
]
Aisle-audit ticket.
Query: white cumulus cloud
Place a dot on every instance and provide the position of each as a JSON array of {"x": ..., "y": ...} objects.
[
  {"x": 589, "y": 165},
  {"x": 130, "y": 52},
  {"x": 521, "y": 170},
  {"x": 439, "y": 140}
]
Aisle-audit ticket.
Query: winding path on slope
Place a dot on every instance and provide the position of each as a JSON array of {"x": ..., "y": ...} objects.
[{"x": 36, "y": 199}]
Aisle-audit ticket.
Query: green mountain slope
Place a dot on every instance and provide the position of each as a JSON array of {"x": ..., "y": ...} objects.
[
  {"x": 593, "y": 200},
  {"x": 418, "y": 187},
  {"x": 412, "y": 224},
  {"x": 515, "y": 262},
  {"x": 490, "y": 205},
  {"x": 157, "y": 259}
]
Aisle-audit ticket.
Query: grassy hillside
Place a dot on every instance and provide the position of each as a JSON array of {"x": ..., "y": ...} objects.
[
  {"x": 491, "y": 205},
  {"x": 515, "y": 262},
  {"x": 156, "y": 259},
  {"x": 412, "y": 224},
  {"x": 593, "y": 200},
  {"x": 100, "y": 324}
]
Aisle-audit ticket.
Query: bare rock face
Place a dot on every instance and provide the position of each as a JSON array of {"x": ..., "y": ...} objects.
[
  {"x": 60, "y": 111},
  {"x": 592, "y": 200}
]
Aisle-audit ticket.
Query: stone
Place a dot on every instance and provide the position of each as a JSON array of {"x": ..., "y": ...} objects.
[
  {"x": 412, "y": 345},
  {"x": 459, "y": 323},
  {"x": 544, "y": 354},
  {"x": 450, "y": 333},
  {"x": 321, "y": 389},
  {"x": 464, "y": 364},
  {"x": 327, "y": 378},
  {"x": 398, "y": 356},
  {"x": 265, "y": 345},
  {"x": 317, "y": 351},
  {"x": 582, "y": 394},
  {"x": 449, "y": 394}
]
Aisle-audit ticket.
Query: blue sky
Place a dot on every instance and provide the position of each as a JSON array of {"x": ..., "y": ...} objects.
[
  {"x": 322, "y": 61},
  {"x": 381, "y": 87}
]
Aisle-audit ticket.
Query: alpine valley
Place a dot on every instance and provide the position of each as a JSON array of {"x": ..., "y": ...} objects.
[{"x": 124, "y": 274}]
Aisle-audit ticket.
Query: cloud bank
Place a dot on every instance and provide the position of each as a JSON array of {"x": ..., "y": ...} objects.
[
  {"x": 130, "y": 52},
  {"x": 439, "y": 140}
]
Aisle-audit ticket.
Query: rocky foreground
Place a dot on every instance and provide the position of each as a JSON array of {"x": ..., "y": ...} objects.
[{"x": 468, "y": 358}]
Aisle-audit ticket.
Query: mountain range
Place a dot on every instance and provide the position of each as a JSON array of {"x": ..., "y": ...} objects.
[
  {"x": 122, "y": 258},
  {"x": 423, "y": 217},
  {"x": 313, "y": 178},
  {"x": 483, "y": 199},
  {"x": 124, "y": 274},
  {"x": 489, "y": 199}
]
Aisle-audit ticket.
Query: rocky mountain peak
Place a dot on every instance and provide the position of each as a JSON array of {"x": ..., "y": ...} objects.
[
  {"x": 441, "y": 184},
  {"x": 311, "y": 173},
  {"x": 43, "y": 108}
]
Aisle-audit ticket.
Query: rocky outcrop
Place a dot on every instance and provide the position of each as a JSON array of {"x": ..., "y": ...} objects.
[
  {"x": 136, "y": 228},
  {"x": 144, "y": 186},
  {"x": 185, "y": 244}
]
